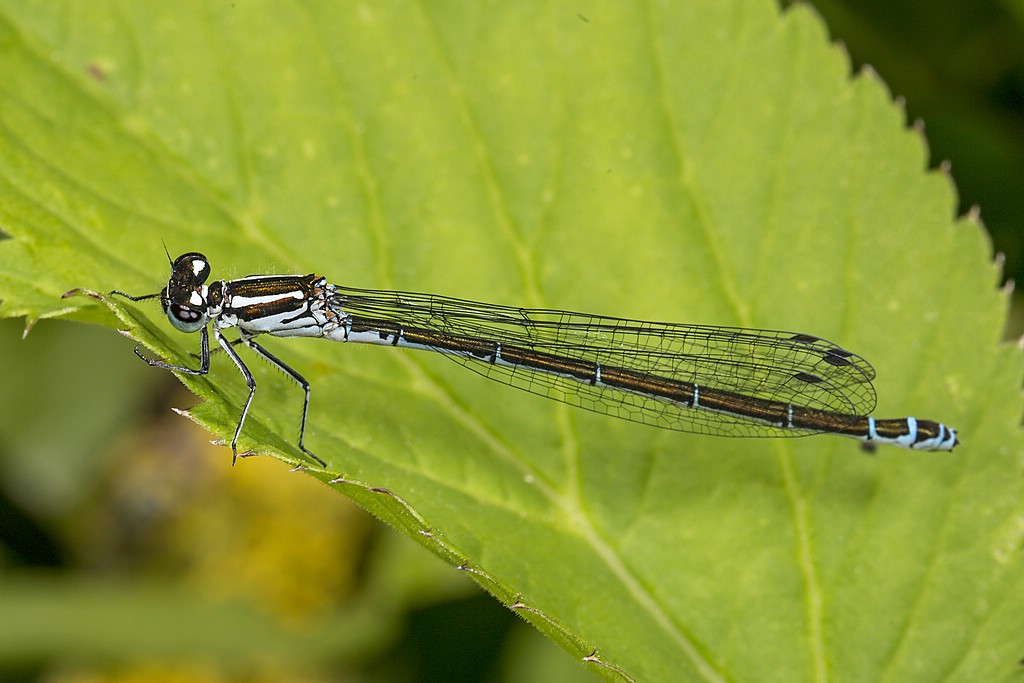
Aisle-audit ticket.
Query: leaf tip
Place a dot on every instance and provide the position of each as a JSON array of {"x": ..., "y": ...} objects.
[
  {"x": 82, "y": 291},
  {"x": 29, "y": 324}
]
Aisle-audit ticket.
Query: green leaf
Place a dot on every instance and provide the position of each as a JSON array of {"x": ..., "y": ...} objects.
[{"x": 706, "y": 161}]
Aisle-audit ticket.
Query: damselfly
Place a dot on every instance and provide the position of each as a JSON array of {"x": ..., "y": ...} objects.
[{"x": 723, "y": 381}]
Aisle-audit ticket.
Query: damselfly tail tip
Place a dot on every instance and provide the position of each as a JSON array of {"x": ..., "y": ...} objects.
[
  {"x": 935, "y": 436},
  {"x": 951, "y": 440}
]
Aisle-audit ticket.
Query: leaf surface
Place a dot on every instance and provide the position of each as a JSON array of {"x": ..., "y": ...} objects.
[{"x": 709, "y": 162}]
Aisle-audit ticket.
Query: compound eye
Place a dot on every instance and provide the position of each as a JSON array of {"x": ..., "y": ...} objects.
[
  {"x": 185, "y": 319},
  {"x": 195, "y": 264}
]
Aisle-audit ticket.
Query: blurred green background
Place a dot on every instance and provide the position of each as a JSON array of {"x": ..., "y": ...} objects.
[{"x": 101, "y": 483}]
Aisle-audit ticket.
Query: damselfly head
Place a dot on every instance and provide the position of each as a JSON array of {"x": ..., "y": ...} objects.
[{"x": 184, "y": 297}]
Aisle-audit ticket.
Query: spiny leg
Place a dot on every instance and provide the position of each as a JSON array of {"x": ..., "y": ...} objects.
[
  {"x": 204, "y": 358},
  {"x": 132, "y": 297},
  {"x": 204, "y": 344},
  {"x": 249, "y": 381},
  {"x": 300, "y": 380}
]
